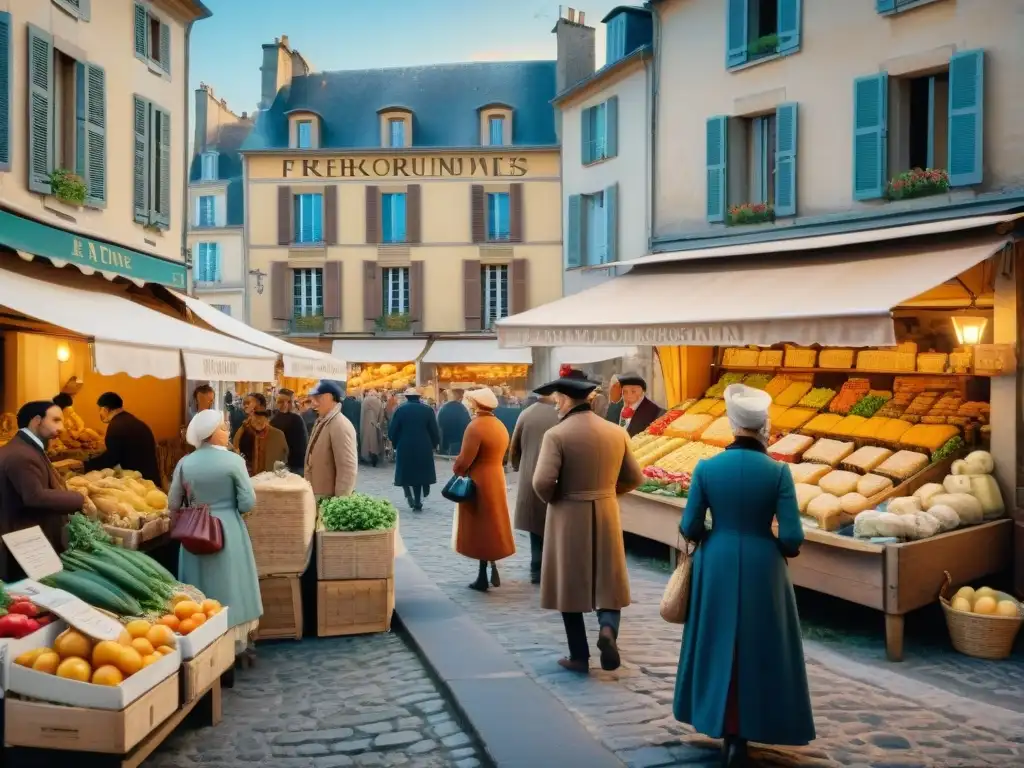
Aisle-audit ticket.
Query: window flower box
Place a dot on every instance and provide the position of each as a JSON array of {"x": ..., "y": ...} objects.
[
  {"x": 749, "y": 213},
  {"x": 68, "y": 187},
  {"x": 394, "y": 322},
  {"x": 917, "y": 183},
  {"x": 764, "y": 46}
]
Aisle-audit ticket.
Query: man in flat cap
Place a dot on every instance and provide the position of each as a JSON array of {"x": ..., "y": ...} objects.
[
  {"x": 637, "y": 412},
  {"x": 331, "y": 461}
]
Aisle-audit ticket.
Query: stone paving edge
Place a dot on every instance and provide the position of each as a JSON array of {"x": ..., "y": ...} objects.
[{"x": 517, "y": 722}]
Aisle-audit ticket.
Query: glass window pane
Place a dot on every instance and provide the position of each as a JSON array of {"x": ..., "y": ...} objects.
[
  {"x": 396, "y": 133},
  {"x": 305, "y": 134},
  {"x": 497, "y": 131}
]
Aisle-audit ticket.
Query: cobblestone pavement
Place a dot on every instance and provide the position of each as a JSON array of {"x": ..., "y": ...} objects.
[
  {"x": 936, "y": 710},
  {"x": 329, "y": 703}
]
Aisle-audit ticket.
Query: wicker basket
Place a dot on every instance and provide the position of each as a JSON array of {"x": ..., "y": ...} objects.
[
  {"x": 281, "y": 527},
  {"x": 355, "y": 555},
  {"x": 981, "y": 636}
]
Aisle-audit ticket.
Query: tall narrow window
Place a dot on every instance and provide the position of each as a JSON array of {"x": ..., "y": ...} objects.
[
  {"x": 599, "y": 131},
  {"x": 308, "y": 292},
  {"x": 396, "y": 132},
  {"x": 393, "y": 217},
  {"x": 498, "y": 216},
  {"x": 209, "y": 166},
  {"x": 596, "y": 223},
  {"x": 309, "y": 218},
  {"x": 494, "y": 284},
  {"x": 207, "y": 211},
  {"x": 207, "y": 264},
  {"x": 496, "y": 131},
  {"x": 395, "y": 281},
  {"x": 762, "y": 159},
  {"x": 304, "y": 134}
]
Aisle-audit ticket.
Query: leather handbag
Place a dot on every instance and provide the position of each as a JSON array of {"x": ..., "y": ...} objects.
[
  {"x": 675, "y": 602},
  {"x": 194, "y": 527},
  {"x": 459, "y": 489}
]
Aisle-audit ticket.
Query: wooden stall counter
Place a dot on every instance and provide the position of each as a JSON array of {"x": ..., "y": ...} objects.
[{"x": 893, "y": 578}]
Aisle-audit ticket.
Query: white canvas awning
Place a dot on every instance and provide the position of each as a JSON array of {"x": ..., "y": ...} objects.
[
  {"x": 473, "y": 351},
  {"x": 806, "y": 299},
  {"x": 589, "y": 355},
  {"x": 359, "y": 351},
  {"x": 133, "y": 339},
  {"x": 298, "y": 361}
]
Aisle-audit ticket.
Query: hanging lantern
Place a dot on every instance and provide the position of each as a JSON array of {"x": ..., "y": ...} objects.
[{"x": 969, "y": 330}]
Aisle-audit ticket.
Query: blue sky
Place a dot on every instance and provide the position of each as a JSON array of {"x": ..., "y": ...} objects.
[{"x": 358, "y": 34}]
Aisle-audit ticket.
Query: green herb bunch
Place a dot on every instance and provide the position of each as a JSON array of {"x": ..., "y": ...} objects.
[{"x": 357, "y": 512}]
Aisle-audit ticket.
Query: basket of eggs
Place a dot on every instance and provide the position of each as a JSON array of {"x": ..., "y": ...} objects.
[{"x": 982, "y": 622}]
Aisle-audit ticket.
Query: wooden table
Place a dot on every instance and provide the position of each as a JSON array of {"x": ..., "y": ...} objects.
[{"x": 893, "y": 578}]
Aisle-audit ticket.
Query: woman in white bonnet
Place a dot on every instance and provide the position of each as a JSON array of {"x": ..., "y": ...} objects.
[
  {"x": 741, "y": 671},
  {"x": 215, "y": 476}
]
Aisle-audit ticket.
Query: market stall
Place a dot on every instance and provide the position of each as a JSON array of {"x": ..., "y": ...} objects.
[
  {"x": 884, "y": 369},
  {"x": 380, "y": 363},
  {"x": 473, "y": 363}
]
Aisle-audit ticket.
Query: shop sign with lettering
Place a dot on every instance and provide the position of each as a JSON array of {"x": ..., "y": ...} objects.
[
  {"x": 320, "y": 368},
  {"x": 200, "y": 367},
  {"x": 437, "y": 166},
  {"x": 59, "y": 245}
]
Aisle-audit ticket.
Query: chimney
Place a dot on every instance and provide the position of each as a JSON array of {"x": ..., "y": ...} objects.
[
  {"x": 276, "y": 70},
  {"x": 202, "y": 117},
  {"x": 576, "y": 49}
]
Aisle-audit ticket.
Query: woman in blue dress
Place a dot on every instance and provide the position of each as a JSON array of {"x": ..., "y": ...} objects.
[
  {"x": 741, "y": 671},
  {"x": 215, "y": 476}
]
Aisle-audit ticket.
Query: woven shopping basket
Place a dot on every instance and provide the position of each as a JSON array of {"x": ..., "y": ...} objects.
[{"x": 980, "y": 635}]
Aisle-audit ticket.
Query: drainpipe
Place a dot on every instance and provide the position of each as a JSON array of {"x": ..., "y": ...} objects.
[
  {"x": 186, "y": 165},
  {"x": 652, "y": 95}
]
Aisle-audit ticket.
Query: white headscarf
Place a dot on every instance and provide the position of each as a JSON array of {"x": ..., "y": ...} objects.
[
  {"x": 747, "y": 408},
  {"x": 203, "y": 424},
  {"x": 482, "y": 398}
]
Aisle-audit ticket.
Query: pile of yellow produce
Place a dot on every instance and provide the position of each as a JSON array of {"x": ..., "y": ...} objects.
[
  {"x": 491, "y": 375},
  {"x": 656, "y": 449},
  {"x": 187, "y": 615},
  {"x": 122, "y": 498},
  {"x": 386, "y": 376},
  {"x": 685, "y": 458},
  {"x": 985, "y": 601},
  {"x": 76, "y": 657}
]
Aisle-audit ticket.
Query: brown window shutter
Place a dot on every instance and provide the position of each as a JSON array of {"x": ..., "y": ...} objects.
[
  {"x": 332, "y": 290},
  {"x": 515, "y": 213},
  {"x": 331, "y": 214},
  {"x": 281, "y": 290},
  {"x": 519, "y": 290},
  {"x": 416, "y": 294},
  {"x": 472, "y": 296},
  {"x": 284, "y": 215},
  {"x": 372, "y": 214},
  {"x": 414, "y": 214},
  {"x": 372, "y": 298},
  {"x": 478, "y": 219}
]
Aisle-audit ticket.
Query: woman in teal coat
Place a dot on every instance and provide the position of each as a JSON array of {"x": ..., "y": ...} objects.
[
  {"x": 741, "y": 672},
  {"x": 215, "y": 476}
]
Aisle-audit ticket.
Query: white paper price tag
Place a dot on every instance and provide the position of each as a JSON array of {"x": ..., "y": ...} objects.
[
  {"x": 76, "y": 612},
  {"x": 33, "y": 551}
]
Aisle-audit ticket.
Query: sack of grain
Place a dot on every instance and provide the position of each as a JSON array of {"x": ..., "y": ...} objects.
[{"x": 282, "y": 523}]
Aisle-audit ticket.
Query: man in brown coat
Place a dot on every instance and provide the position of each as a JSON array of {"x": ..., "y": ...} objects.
[
  {"x": 531, "y": 511},
  {"x": 31, "y": 493},
  {"x": 331, "y": 460},
  {"x": 584, "y": 465}
]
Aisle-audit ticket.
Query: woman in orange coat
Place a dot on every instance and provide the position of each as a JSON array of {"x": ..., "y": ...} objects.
[{"x": 482, "y": 528}]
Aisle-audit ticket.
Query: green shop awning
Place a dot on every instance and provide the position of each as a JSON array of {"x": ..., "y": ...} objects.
[{"x": 32, "y": 238}]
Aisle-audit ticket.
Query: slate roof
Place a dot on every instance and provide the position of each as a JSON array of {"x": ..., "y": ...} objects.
[
  {"x": 444, "y": 100},
  {"x": 229, "y": 167}
]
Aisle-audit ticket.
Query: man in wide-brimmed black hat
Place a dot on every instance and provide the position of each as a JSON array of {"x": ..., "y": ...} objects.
[
  {"x": 634, "y": 411},
  {"x": 584, "y": 464}
]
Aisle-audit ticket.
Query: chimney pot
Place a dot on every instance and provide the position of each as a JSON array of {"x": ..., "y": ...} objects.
[
  {"x": 582, "y": 17},
  {"x": 572, "y": 15}
]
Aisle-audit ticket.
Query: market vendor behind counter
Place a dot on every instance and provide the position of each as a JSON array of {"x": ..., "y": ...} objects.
[
  {"x": 129, "y": 440},
  {"x": 31, "y": 492}
]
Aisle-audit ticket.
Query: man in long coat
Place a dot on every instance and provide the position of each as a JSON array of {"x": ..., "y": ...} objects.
[
  {"x": 585, "y": 463},
  {"x": 413, "y": 431},
  {"x": 352, "y": 410},
  {"x": 331, "y": 459},
  {"x": 452, "y": 419},
  {"x": 531, "y": 511},
  {"x": 371, "y": 417}
]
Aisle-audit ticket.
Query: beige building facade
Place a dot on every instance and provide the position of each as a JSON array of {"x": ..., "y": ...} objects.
[{"x": 93, "y": 161}]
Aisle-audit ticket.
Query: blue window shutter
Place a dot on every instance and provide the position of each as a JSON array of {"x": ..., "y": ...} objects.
[
  {"x": 736, "y": 33},
  {"x": 611, "y": 214},
  {"x": 95, "y": 135},
  {"x": 870, "y": 147},
  {"x": 141, "y": 31},
  {"x": 717, "y": 166},
  {"x": 6, "y": 67},
  {"x": 789, "y": 17},
  {"x": 165, "y": 48},
  {"x": 142, "y": 122},
  {"x": 40, "y": 109},
  {"x": 574, "y": 232},
  {"x": 586, "y": 140},
  {"x": 386, "y": 218},
  {"x": 611, "y": 116},
  {"x": 785, "y": 159},
  {"x": 885, "y": 6},
  {"x": 215, "y": 247},
  {"x": 162, "y": 146},
  {"x": 401, "y": 217},
  {"x": 966, "y": 113}
]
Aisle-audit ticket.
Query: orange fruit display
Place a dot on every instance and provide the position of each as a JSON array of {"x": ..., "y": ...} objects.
[
  {"x": 143, "y": 646},
  {"x": 185, "y": 608},
  {"x": 163, "y": 650},
  {"x": 28, "y": 658},
  {"x": 186, "y": 627},
  {"x": 129, "y": 662},
  {"x": 73, "y": 643},
  {"x": 151, "y": 658},
  {"x": 161, "y": 634},
  {"x": 74, "y": 668},
  {"x": 106, "y": 653},
  {"x": 199, "y": 619},
  {"x": 170, "y": 620},
  {"x": 179, "y": 598},
  {"x": 125, "y": 638},
  {"x": 47, "y": 662},
  {"x": 137, "y": 628},
  {"x": 210, "y": 607},
  {"x": 107, "y": 675}
]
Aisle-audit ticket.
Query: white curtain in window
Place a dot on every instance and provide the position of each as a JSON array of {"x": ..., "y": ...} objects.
[
  {"x": 308, "y": 292},
  {"x": 495, "y": 293},
  {"x": 209, "y": 166},
  {"x": 207, "y": 263},
  {"x": 396, "y": 290}
]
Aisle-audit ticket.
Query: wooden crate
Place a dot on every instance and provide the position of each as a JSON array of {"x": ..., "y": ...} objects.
[
  {"x": 198, "y": 674},
  {"x": 282, "y": 608},
  {"x": 354, "y": 606},
  {"x": 355, "y": 555},
  {"x": 281, "y": 529}
]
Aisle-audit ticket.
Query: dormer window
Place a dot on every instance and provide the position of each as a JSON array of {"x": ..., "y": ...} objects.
[
  {"x": 395, "y": 128},
  {"x": 496, "y": 130},
  {"x": 495, "y": 125},
  {"x": 615, "y": 39},
  {"x": 208, "y": 170},
  {"x": 303, "y": 130}
]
